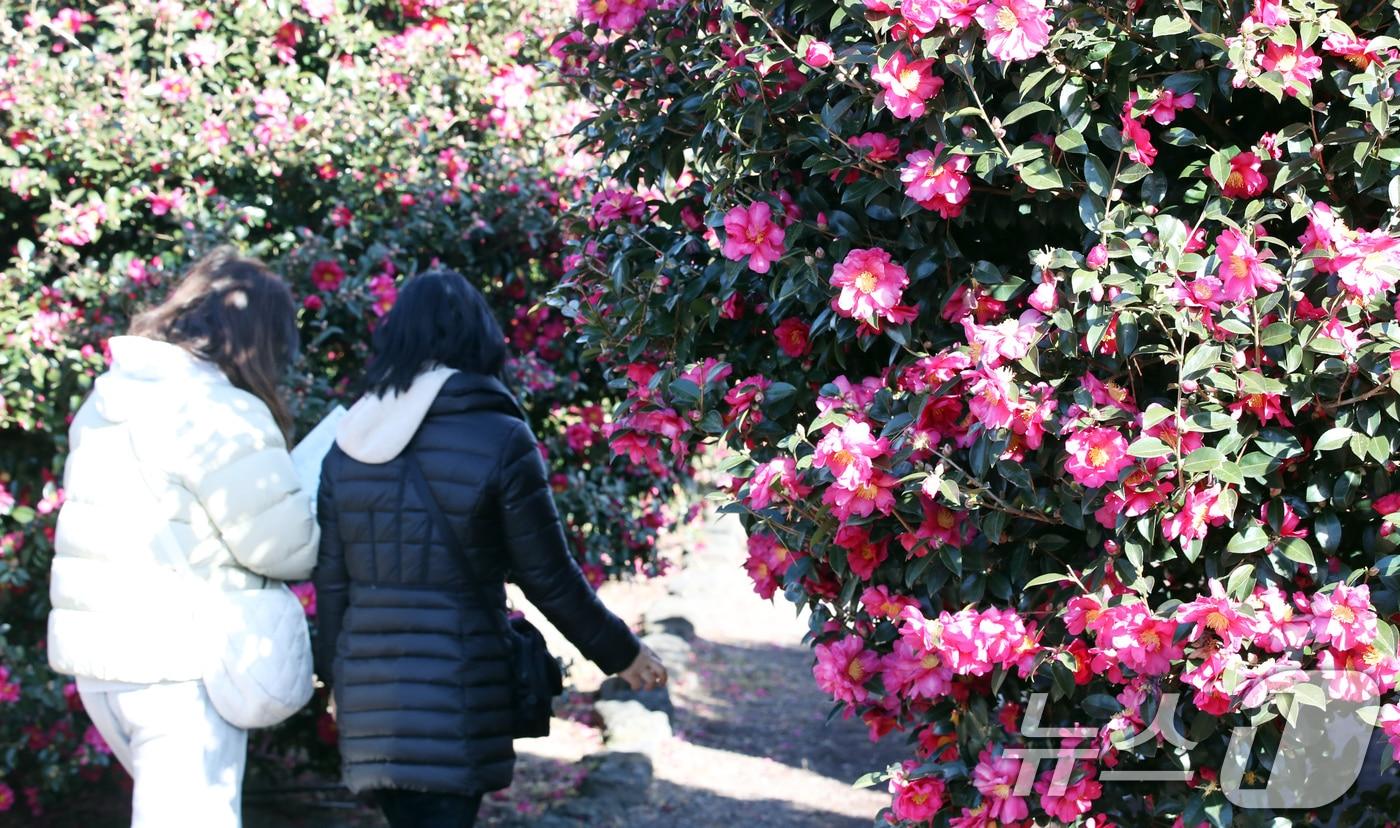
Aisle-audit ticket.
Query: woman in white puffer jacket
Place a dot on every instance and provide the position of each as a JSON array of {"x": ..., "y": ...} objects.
[{"x": 183, "y": 439}]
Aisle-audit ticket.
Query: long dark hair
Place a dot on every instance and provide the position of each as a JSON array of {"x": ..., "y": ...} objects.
[
  {"x": 439, "y": 318},
  {"x": 238, "y": 314}
]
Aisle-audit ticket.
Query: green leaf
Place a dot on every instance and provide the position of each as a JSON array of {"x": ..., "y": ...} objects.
[
  {"x": 1203, "y": 459},
  {"x": 1071, "y": 141},
  {"x": 1097, "y": 175},
  {"x": 684, "y": 392},
  {"x": 1297, "y": 550},
  {"x": 1170, "y": 24},
  {"x": 1241, "y": 582},
  {"x": 1252, "y": 539},
  {"x": 1040, "y": 174},
  {"x": 1048, "y": 578},
  {"x": 871, "y": 779},
  {"x": 1333, "y": 438},
  {"x": 1149, "y": 447},
  {"x": 1025, "y": 110}
]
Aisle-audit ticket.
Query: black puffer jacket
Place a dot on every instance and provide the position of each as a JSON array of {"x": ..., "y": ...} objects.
[{"x": 417, "y": 664}]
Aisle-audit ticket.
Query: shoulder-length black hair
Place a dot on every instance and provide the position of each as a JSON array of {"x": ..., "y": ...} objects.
[{"x": 439, "y": 318}]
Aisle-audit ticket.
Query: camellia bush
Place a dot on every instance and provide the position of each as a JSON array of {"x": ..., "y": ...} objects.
[
  {"x": 1056, "y": 345},
  {"x": 349, "y": 145}
]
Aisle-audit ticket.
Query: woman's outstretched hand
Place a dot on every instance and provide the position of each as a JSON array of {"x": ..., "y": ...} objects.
[{"x": 646, "y": 672}]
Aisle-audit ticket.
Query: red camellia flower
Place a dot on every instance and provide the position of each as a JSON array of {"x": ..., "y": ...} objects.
[
  {"x": 794, "y": 337},
  {"x": 327, "y": 275}
]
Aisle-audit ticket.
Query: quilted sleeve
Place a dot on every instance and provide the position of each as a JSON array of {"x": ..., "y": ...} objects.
[
  {"x": 331, "y": 578},
  {"x": 541, "y": 565},
  {"x": 242, "y": 475}
]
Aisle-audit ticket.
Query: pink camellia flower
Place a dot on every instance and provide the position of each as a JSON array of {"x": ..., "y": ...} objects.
[
  {"x": 9, "y": 690},
  {"x": 906, "y": 85},
  {"x": 818, "y": 54},
  {"x": 1245, "y": 179},
  {"x": 751, "y": 233},
  {"x": 1280, "y": 627},
  {"x": 844, "y": 667},
  {"x": 1045, "y": 298},
  {"x": 1144, "y": 642},
  {"x": 1076, "y": 800},
  {"x": 916, "y": 800},
  {"x": 321, "y": 10},
  {"x": 1168, "y": 103},
  {"x": 83, "y": 222},
  {"x": 1299, "y": 66},
  {"x": 863, "y": 555},
  {"x": 327, "y": 275},
  {"x": 1200, "y": 508},
  {"x": 1220, "y": 614},
  {"x": 1368, "y": 263},
  {"x": 613, "y": 204},
  {"x": 70, "y": 21},
  {"x": 613, "y": 15},
  {"x": 385, "y": 292},
  {"x": 995, "y": 778},
  {"x": 871, "y": 286},
  {"x": 917, "y": 667},
  {"x": 1243, "y": 272},
  {"x": 992, "y": 396},
  {"x": 1358, "y": 51},
  {"x": 1204, "y": 292},
  {"x": 768, "y": 560},
  {"x": 874, "y": 494},
  {"x": 1389, "y": 721},
  {"x": 1259, "y": 684},
  {"x": 879, "y": 602},
  {"x": 1289, "y": 524},
  {"x": 176, "y": 89},
  {"x": 215, "y": 135},
  {"x": 167, "y": 202},
  {"x": 1015, "y": 29},
  {"x": 1344, "y": 617},
  {"x": 926, "y": 15},
  {"x": 1097, "y": 257},
  {"x": 1387, "y": 505},
  {"x": 847, "y": 452},
  {"x": 1096, "y": 456},
  {"x": 1141, "y": 149},
  {"x": 938, "y": 186},
  {"x": 794, "y": 337},
  {"x": 776, "y": 478},
  {"x": 306, "y": 594},
  {"x": 879, "y": 146},
  {"x": 1006, "y": 341}
]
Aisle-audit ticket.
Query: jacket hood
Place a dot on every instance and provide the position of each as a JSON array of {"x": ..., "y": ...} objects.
[
  {"x": 378, "y": 428},
  {"x": 146, "y": 374}
]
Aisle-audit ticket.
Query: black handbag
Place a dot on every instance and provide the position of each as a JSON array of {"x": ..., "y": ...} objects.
[{"x": 536, "y": 677}]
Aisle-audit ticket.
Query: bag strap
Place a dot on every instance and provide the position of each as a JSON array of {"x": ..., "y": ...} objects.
[{"x": 444, "y": 526}]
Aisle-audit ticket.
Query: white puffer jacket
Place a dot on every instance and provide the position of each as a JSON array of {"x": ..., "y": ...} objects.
[{"x": 165, "y": 438}]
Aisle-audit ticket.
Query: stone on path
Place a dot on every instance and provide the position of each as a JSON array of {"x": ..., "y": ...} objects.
[
  {"x": 618, "y": 778},
  {"x": 628, "y": 726},
  {"x": 615, "y": 689}
]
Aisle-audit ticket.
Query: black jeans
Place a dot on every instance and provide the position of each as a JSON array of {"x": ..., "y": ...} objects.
[{"x": 413, "y": 809}]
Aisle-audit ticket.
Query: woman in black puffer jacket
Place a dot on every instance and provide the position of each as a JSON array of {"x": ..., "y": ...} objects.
[{"x": 411, "y": 642}]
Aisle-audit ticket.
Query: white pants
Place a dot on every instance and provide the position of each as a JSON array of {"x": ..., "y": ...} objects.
[{"x": 186, "y": 761}]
